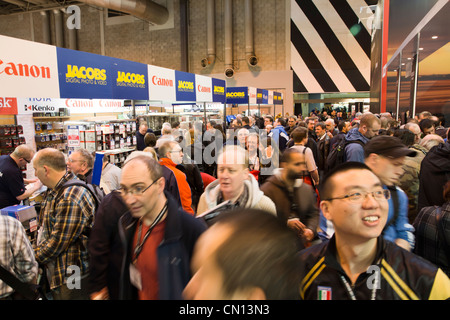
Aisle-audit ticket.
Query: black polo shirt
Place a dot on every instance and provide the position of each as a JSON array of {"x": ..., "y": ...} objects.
[{"x": 11, "y": 182}]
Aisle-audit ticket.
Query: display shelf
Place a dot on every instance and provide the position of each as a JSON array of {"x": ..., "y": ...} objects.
[{"x": 50, "y": 118}]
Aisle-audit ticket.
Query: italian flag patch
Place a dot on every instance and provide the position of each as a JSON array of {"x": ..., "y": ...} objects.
[{"x": 323, "y": 293}]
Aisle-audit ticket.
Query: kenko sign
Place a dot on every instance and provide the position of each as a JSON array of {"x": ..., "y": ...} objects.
[
  {"x": 27, "y": 69},
  {"x": 76, "y": 106}
]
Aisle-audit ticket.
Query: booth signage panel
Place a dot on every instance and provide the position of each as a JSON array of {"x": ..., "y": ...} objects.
[
  {"x": 83, "y": 74},
  {"x": 204, "y": 88},
  {"x": 161, "y": 85},
  {"x": 130, "y": 80},
  {"x": 8, "y": 106},
  {"x": 270, "y": 92},
  {"x": 259, "y": 96},
  {"x": 277, "y": 98},
  {"x": 219, "y": 90},
  {"x": 252, "y": 95},
  {"x": 185, "y": 86},
  {"x": 27, "y": 69},
  {"x": 237, "y": 95},
  {"x": 265, "y": 96},
  {"x": 76, "y": 106}
]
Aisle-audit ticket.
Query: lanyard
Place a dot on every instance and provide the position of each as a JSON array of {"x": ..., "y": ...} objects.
[
  {"x": 139, "y": 245},
  {"x": 352, "y": 294}
]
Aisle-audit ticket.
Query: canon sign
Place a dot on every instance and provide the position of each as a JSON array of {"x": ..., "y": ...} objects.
[
  {"x": 162, "y": 82},
  {"x": 204, "y": 89},
  {"x": 24, "y": 70}
]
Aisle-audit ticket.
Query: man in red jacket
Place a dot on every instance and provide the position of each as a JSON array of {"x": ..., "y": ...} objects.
[{"x": 171, "y": 154}]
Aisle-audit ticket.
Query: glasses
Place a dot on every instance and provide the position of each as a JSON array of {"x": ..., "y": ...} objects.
[
  {"x": 26, "y": 160},
  {"x": 72, "y": 161},
  {"x": 359, "y": 197},
  {"x": 135, "y": 191}
]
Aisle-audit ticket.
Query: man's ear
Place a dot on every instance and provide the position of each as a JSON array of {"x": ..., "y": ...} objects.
[
  {"x": 325, "y": 207},
  {"x": 372, "y": 160}
]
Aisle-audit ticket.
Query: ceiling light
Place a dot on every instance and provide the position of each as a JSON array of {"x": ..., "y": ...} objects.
[
  {"x": 420, "y": 49},
  {"x": 434, "y": 37}
]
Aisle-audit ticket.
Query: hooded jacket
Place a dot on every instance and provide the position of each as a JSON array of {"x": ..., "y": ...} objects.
[
  {"x": 354, "y": 151},
  {"x": 303, "y": 198},
  {"x": 256, "y": 198},
  {"x": 434, "y": 173}
]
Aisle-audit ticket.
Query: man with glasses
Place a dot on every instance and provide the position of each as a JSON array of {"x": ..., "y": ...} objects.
[
  {"x": 159, "y": 235},
  {"x": 81, "y": 163},
  {"x": 357, "y": 263},
  {"x": 12, "y": 183}
]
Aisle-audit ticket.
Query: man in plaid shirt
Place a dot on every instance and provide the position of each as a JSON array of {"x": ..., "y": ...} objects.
[
  {"x": 16, "y": 254},
  {"x": 66, "y": 221}
]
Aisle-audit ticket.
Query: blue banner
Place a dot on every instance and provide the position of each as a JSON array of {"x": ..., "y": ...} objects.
[
  {"x": 130, "y": 80},
  {"x": 265, "y": 96},
  {"x": 219, "y": 90},
  {"x": 185, "y": 86},
  {"x": 84, "y": 75},
  {"x": 237, "y": 95},
  {"x": 277, "y": 98}
]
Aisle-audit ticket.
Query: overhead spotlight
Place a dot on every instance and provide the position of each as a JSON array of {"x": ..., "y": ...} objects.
[
  {"x": 434, "y": 37},
  {"x": 229, "y": 73},
  {"x": 252, "y": 60}
]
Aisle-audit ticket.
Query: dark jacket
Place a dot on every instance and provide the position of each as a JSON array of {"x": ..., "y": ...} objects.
[
  {"x": 432, "y": 235},
  {"x": 404, "y": 275},
  {"x": 323, "y": 145},
  {"x": 105, "y": 249},
  {"x": 174, "y": 252},
  {"x": 300, "y": 204},
  {"x": 171, "y": 184},
  {"x": 194, "y": 179},
  {"x": 434, "y": 173}
]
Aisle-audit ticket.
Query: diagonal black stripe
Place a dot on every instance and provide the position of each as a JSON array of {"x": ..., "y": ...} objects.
[
  {"x": 351, "y": 21},
  {"x": 311, "y": 60},
  {"x": 334, "y": 45},
  {"x": 298, "y": 84}
]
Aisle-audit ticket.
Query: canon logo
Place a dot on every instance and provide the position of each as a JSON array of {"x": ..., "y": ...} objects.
[
  {"x": 24, "y": 70},
  {"x": 204, "y": 89},
  {"x": 162, "y": 82}
]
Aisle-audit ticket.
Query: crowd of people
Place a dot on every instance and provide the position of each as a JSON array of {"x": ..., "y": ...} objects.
[{"x": 331, "y": 206}]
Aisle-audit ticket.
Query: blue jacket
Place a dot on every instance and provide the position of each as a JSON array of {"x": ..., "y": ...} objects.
[
  {"x": 280, "y": 137},
  {"x": 174, "y": 252},
  {"x": 400, "y": 228},
  {"x": 354, "y": 151}
]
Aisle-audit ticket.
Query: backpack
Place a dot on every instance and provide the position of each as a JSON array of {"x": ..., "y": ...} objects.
[
  {"x": 337, "y": 153},
  {"x": 95, "y": 190}
]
